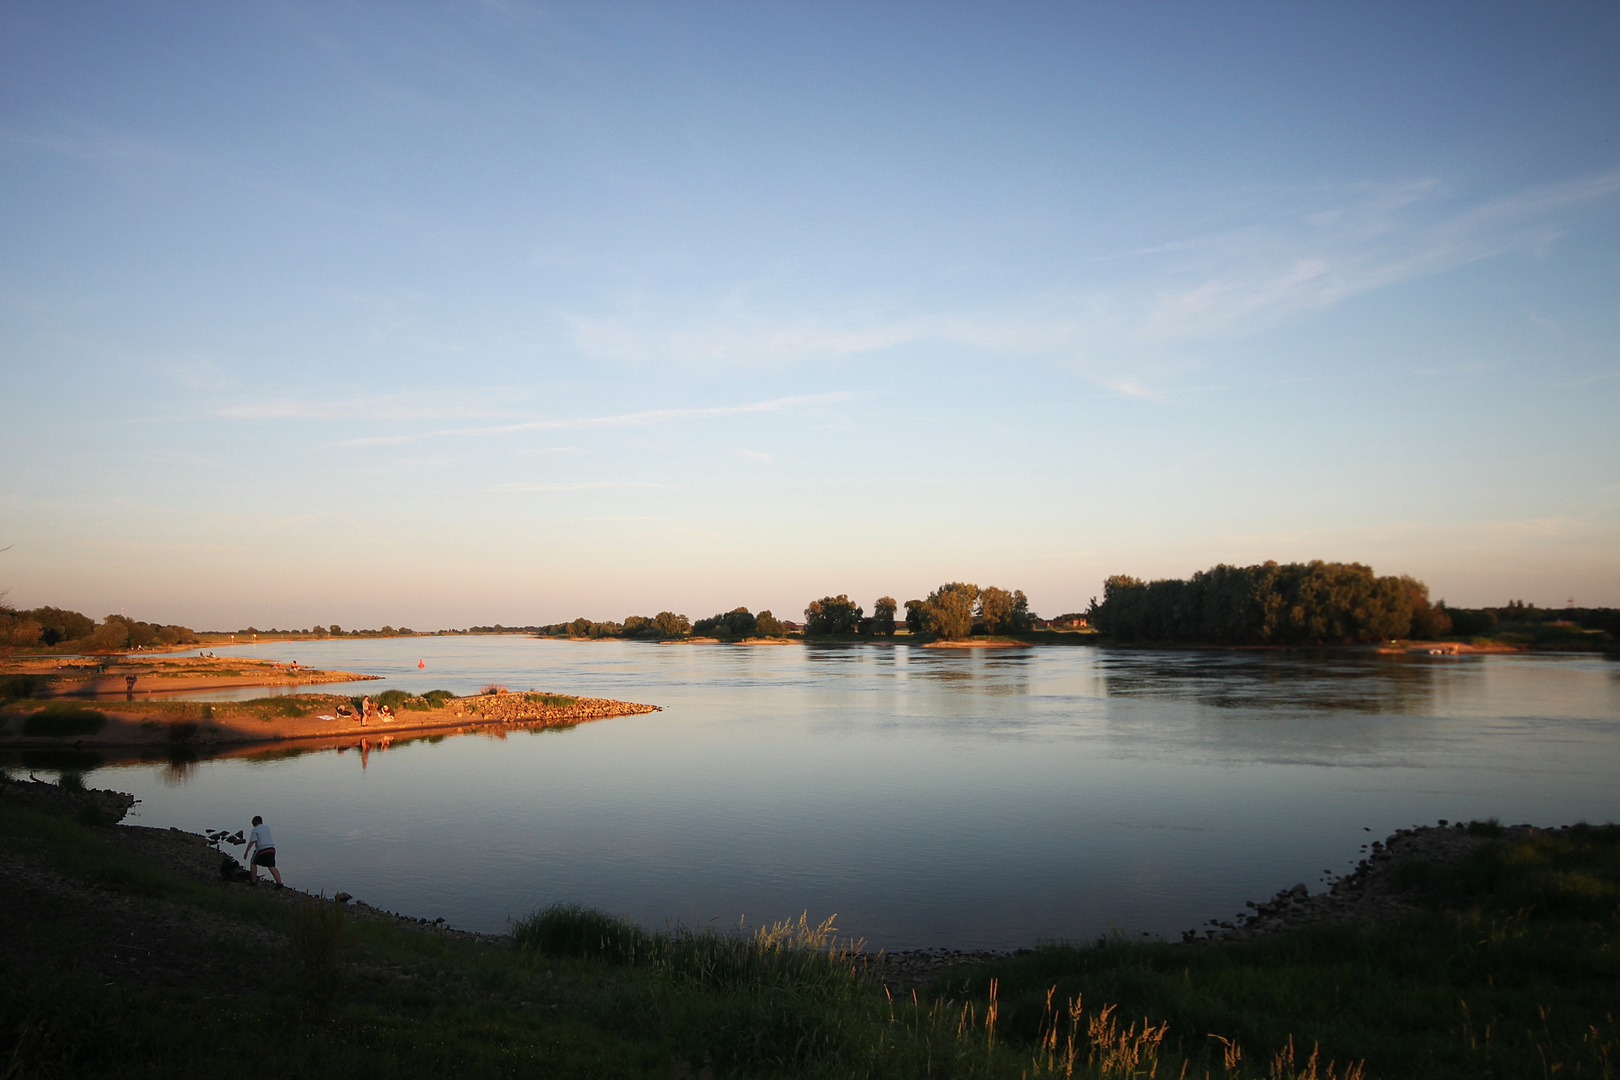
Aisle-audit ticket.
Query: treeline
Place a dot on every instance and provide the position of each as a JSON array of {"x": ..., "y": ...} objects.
[
  {"x": 733, "y": 625},
  {"x": 1270, "y": 604},
  {"x": 1518, "y": 615},
  {"x": 318, "y": 631},
  {"x": 70, "y": 631},
  {"x": 952, "y": 611}
]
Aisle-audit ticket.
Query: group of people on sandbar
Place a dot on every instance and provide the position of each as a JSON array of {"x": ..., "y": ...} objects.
[{"x": 369, "y": 710}]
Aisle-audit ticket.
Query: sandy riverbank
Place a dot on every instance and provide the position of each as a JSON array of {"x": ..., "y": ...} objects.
[
  {"x": 109, "y": 676},
  {"x": 307, "y": 720}
]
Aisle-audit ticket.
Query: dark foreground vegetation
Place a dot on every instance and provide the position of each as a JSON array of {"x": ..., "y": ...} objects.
[{"x": 122, "y": 965}]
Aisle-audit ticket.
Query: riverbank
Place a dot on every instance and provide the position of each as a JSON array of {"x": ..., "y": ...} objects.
[
  {"x": 110, "y": 677},
  {"x": 310, "y": 721},
  {"x": 124, "y": 953}
]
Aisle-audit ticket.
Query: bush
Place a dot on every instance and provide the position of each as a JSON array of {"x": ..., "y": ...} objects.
[
  {"x": 394, "y": 699},
  {"x": 492, "y": 688},
  {"x": 551, "y": 701},
  {"x": 574, "y": 930},
  {"x": 13, "y": 687},
  {"x": 63, "y": 721}
]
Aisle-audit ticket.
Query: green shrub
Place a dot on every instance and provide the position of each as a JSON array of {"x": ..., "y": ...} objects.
[
  {"x": 1489, "y": 827},
  {"x": 575, "y": 930},
  {"x": 62, "y": 721},
  {"x": 394, "y": 699},
  {"x": 69, "y": 780},
  {"x": 13, "y": 687},
  {"x": 438, "y": 698},
  {"x": 1569, "y": 873},
  {"x": 551, "y": 701}
]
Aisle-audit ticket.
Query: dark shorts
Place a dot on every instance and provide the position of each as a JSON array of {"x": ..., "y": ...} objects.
[{"x": 267, "y": 857}]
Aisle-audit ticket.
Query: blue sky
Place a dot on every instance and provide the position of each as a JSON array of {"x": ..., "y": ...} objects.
[{"x": 449, "y": 314}]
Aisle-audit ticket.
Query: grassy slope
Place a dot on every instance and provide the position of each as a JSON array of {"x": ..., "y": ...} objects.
[{"x": 580, "y": 995}]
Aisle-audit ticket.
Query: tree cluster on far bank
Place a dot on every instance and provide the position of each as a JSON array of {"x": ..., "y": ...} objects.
[
  {"x": 1270, "y": 604},
  {"x": 69, "y": 631},
  {"x": 952, "y": 611},
  {"x": 734, "y": 625}
]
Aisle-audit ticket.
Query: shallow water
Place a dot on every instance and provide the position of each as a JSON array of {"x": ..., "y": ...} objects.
[{"x": 964, "y": 798}]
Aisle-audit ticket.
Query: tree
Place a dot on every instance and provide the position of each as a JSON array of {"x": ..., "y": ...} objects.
[
  {"x": 832, "y": 615},
  {"x": 1429, "y": 621},
  {"x": 914, "y": 616},
  {"x": 1271, "y": 603},
  {"x": 580, "y": 627},
  {"x": 883, "y": 616},
  {"x": 1003, "y": 612},
  {"x": 948, "y": 611},
  {"x": 736, "y": 623},
  {"x": 768, "y": 625},
  {"x": 670, "y": 625}
]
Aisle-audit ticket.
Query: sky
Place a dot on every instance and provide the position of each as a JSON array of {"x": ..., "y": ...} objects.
[{"x": 451, "y": 314}]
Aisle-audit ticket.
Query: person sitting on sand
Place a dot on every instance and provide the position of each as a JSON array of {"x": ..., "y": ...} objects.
[{"x": 262, "y": 849}]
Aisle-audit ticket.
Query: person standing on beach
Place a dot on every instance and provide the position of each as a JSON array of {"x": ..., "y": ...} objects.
[{"x": 262, "y": 849}]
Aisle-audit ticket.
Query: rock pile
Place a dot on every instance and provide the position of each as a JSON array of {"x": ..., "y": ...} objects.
[
  {"x": 915, "y": 967},
  {"x": 1366, "y": 893},
  {"x": 518, "y": 709}
]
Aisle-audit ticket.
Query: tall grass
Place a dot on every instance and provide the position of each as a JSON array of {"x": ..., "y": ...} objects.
[{"x": 319, "y": 936}]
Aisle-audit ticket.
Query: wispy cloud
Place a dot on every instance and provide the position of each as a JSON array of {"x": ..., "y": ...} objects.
[
  {"x": 437, "y": 404},
  {"x": 1372, "y": 238},
  {"x": 581, "y": 485},
  {"x": 637, "y": 419},
  {"x": 1277, "y": 256},
  {"x": 1590, "y": 380}
]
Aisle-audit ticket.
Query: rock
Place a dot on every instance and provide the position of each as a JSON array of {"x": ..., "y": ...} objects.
[{"x": 343, "y": 898}]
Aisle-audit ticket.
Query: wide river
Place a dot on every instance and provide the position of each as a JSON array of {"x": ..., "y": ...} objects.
[{"x": 927, "y": 797}]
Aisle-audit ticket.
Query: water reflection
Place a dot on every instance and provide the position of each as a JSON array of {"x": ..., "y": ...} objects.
[{"x": 1299, "y": 680}]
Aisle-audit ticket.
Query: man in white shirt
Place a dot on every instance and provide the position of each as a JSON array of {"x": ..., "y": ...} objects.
[{"x": 262, "y": 849}]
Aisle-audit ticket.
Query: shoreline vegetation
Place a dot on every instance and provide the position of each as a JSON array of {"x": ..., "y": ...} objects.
[
  {"x": 1268, "y": 605},
  {"x": 126, "y": 953}
]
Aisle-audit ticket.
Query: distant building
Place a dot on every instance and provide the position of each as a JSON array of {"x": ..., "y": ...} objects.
[{"x": 1072, "y": 621}]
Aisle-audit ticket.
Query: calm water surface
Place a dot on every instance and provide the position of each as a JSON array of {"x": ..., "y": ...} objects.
[{"x": 927, "y": 797}]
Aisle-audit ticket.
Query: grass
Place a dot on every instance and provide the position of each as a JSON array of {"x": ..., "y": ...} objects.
[
  {"x": 551, "y": 701},
  {"x": 1472, "y": 986},
  {"x": 1512, "y": 968},
  {"x": 64, "y": 721},
  {"x": 400, "y": 699}
]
